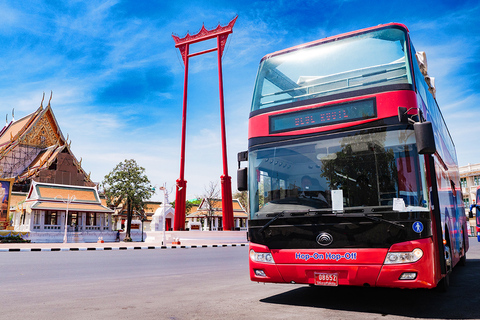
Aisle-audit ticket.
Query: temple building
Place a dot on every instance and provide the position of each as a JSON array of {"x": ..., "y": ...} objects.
[
  {"x": 34, "y": 153},
  {"x": 56, "y": 213},
  {"x": 119, "y": 218},
  {"x": 208, "y": 216},
  {"x": 34, "y": 148}
]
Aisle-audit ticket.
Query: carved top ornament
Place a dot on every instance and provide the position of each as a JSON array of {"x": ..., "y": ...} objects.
[
  {"x": 42, "y": 135},
  {"x": 204, "y": 34}
]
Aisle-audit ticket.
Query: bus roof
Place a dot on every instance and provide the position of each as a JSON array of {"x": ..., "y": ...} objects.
[{"x": 336, "y": 37}]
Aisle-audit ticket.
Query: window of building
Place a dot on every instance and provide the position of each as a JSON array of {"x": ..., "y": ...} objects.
[
  {"x": 72, "y": 219},
  {"x": 36, "y": 218},
  {"x": 51, "y": 218},
  {"x": 463, "y": 182},
  {"x": 91, "y": 219},
  {"x": 476, "y": 180}
]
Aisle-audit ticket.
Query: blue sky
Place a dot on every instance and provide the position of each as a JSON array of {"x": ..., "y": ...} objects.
[{"x": 117, "y": 78}]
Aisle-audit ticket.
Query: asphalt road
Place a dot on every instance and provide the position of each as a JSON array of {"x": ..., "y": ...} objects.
[{"x": 205, "y": 283}]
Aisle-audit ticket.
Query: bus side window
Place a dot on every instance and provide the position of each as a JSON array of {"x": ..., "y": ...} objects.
[
  {"x": 407, "y": 180},
  {"x": 452, "y": 185}
]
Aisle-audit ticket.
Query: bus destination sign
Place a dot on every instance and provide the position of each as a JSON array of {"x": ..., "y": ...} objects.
[{"x": 322, "y": 116}]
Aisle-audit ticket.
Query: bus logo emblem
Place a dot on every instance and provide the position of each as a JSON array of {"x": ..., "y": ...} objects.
[{"x": 324, "y": 239}]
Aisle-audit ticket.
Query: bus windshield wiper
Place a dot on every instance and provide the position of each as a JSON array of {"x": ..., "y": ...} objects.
[
  {"x": 293, "y": 213},
  {"x": 308, "y": 211},
  {"x": 278, "y": 215},
  {"x": 375, "y": 218}
]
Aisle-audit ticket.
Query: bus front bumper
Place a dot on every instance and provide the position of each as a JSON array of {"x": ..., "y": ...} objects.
[{"x": 352, "y": 267}]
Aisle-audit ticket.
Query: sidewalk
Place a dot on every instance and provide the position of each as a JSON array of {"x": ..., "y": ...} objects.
[{"x": 186, "y": 244}]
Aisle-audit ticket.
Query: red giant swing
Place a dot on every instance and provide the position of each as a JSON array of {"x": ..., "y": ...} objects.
[{"x": 221, "y": 34}]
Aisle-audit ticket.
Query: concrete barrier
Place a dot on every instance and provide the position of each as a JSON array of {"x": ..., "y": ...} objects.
[{"x": 193, "y": 237}]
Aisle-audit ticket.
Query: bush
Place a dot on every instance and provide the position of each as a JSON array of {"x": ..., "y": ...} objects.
[{"x": 13, "y": 239}]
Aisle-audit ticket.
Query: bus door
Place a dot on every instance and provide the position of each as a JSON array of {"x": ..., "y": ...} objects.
[{"x": 477, "y": 215}]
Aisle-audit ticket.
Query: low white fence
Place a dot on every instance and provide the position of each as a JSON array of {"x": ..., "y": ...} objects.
[{"x": 149, "y": 237}]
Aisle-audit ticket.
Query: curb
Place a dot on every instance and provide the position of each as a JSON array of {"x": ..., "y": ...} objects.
[{"x": 122, "y": 248}]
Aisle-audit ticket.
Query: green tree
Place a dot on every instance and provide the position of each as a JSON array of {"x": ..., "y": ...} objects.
[
  {"x": 128, "y": 183},
  {"x": 188, "y": 204},
  {"x": 211, "y": 196},
  {"x": 242, "y": 196}
]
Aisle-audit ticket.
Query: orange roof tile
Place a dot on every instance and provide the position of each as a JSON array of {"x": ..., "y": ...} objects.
[
  {"x": 14, "y": 128},
  {"x": 238, "y": 211},
  {"x": 72, "y": 206},
  {"x": 81, "y": 194},
  {"x": 203, "y": 213},
  {"x": 236, "y": 205}
]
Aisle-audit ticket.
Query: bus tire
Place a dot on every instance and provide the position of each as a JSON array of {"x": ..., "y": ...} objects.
[
  {"x": 463, "y": 260},
  {"x": 444, "y": 283}
]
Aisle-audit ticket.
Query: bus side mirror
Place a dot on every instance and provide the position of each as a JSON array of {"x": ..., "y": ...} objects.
[
  {"x": 242, "y": 179},
  {"x": 402, "y": 115},
  {"x": 242, "y": 156},
  {"x": 470, "y": 214},
  {"x": 425, "y": 138}
]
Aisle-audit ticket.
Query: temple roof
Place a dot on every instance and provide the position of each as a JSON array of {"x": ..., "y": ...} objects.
[
  {"x": 46, "y": 196},
  {"x": 37, "y": 140},
  {"x": 41, "y": 205},
  {"x": 202, "y": 211},
  {"x": 13, "y": 128}
]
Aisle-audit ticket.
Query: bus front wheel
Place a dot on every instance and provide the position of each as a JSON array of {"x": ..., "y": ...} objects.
[{"x": 444, "y": 283}]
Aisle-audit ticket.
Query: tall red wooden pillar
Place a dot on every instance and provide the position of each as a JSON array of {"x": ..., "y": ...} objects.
[{"x": 221, "y": 33}]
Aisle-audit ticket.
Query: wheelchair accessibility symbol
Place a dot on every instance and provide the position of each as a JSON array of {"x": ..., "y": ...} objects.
[{"x": 417, "y": 227}]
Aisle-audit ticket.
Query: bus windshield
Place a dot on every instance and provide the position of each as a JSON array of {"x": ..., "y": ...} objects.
[
  {"x": 371, "y": 168},
  {"x": 373, "y": 59}
]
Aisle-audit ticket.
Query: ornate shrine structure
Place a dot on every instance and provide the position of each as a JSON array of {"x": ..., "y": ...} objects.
[
  {"x": 183, "y": 44},
  {"x": 34, "y": 148},
  {"x": 34, "y": 154}
]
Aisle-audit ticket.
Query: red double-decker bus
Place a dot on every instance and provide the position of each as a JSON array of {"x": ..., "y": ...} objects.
[{"x": 352, "y": 174}]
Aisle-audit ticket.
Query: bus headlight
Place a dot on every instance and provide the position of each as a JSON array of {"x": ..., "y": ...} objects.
[
  {"x": 261, "y": 257},
  {"x": 403, "y": 257}
]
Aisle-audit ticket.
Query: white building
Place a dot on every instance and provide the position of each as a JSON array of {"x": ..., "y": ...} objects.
[
  {"x": 470, "y": 182},
  {"x": 209, "y": 216},
  {"x": 43, "y": 214}
]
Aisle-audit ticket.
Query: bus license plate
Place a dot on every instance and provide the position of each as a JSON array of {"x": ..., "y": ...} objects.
[{"x": 326, "y": 279}]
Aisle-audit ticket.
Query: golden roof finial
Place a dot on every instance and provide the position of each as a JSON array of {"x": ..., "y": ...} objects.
[
  {"x": 41, "y": 103},
  {"x": 51, "y": 95}
]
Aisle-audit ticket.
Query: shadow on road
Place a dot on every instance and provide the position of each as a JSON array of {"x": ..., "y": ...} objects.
[{"x": 461, "y": 301}]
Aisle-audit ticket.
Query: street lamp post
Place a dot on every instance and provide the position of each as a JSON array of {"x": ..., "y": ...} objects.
[
  {"x": 143, "y": 219},
  {"x": 67, "y": 201}
]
